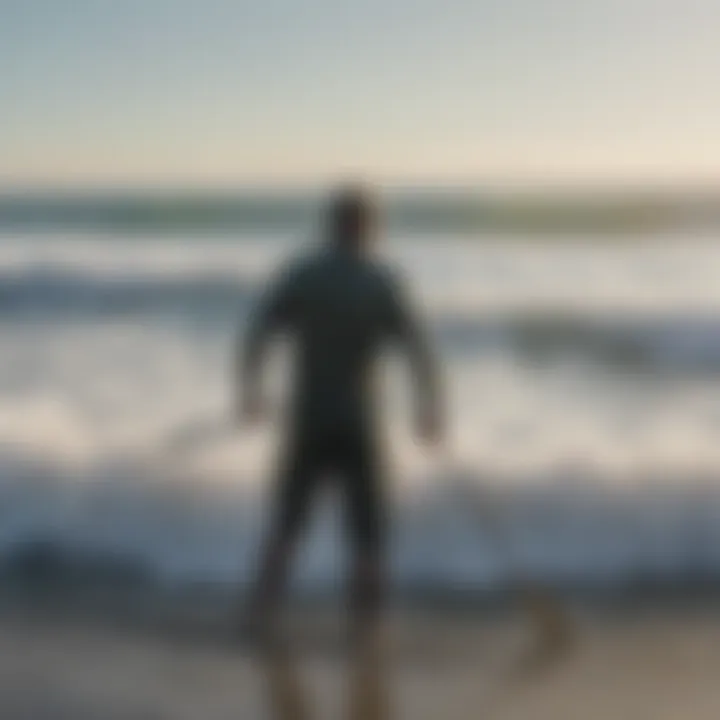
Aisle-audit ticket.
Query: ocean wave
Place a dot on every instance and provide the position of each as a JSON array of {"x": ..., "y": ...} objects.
[
  {"x": 460, "y": 531},
  {"x": 625, "y": 341},
  {"x": 55, "y": 291},
  {"x": 661, "y": 340}
]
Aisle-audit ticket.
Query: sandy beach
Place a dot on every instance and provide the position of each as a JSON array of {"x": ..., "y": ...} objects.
[{"x": 636, "y": 663}]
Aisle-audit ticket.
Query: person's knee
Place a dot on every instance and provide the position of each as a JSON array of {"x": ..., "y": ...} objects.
[
  {"x": 367, "y": 531},
  {"x": 367, "y": 559}
]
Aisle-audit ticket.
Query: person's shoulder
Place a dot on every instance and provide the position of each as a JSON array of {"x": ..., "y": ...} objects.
[
  {"x": 387, "y": 274},
  {"x": 297, "y": 267}
]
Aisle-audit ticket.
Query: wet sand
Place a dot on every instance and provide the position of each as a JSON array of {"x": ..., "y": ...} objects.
[{"x": 661, "y": 663}]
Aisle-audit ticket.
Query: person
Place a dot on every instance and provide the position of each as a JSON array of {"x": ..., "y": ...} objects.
[{"x": 341, "y": 307}]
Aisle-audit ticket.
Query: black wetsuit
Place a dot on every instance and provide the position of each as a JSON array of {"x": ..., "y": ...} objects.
[{"x": 341, "y": 310}]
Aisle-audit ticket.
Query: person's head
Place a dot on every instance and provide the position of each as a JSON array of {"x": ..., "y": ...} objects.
[{"x": 352, "y": 218}]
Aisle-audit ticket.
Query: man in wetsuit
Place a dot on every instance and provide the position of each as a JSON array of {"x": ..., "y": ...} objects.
[{"x": 341, "y": 308}]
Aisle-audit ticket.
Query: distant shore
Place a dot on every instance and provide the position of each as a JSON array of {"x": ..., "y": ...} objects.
[{"x": 458, "y": 211}]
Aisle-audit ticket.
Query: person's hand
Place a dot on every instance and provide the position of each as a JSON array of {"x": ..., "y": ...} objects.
[
  {"x": 430, "y": 429},
  {"x": 251, "y": 409}
]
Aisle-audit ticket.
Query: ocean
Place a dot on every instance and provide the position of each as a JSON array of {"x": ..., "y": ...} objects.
[{"x": 583, "y": 376}]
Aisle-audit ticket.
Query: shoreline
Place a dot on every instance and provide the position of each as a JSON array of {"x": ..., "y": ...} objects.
[{"x": 656, "y": 663}]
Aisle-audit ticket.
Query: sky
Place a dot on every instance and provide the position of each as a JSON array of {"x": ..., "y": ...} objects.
[{"x": 227, "y": 92}]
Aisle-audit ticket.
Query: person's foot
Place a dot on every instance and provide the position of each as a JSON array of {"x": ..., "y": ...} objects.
[
  {"x": 257, "y": 629},
  {"x": 365, "y": 635}
]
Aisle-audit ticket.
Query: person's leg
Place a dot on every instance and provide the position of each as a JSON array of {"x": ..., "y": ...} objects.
[
  {"x": 366, "y": 589},
  {"x": 287, "y": 695},
  {"x": 295, "y": 489},
  {"x": 368, "y": 691},
  {"x": 366, "y": 525}
]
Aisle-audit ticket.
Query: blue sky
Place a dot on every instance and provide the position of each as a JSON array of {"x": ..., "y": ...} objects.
[{"x": 218, "y": 92}]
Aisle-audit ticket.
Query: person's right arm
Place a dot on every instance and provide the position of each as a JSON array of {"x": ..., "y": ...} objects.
[{"x": 273, "y": 314}]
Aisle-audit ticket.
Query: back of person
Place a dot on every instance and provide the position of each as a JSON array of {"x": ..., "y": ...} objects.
[{"x": 341, "y": 319}]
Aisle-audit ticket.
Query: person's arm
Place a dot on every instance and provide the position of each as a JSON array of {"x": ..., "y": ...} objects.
[
  {"x": 272, "y": 315},
  {"x": 408, "y": 328}
]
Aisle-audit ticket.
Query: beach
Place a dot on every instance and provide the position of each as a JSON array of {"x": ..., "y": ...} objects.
[{"x": 626, "y": 662}]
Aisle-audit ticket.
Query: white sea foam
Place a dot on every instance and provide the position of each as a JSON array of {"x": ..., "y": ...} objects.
[{"x": 583, "y": 394}]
